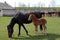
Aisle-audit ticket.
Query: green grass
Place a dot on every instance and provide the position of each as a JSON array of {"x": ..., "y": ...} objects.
[{"x": 53, "y": 29}]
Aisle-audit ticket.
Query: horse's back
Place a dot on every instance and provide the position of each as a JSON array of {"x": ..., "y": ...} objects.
[
  {"x": 38, "y": 14},
  {"x": 23, "y": 17}
]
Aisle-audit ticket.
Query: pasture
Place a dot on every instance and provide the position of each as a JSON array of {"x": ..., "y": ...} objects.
[{"x": 53, "y": 30}]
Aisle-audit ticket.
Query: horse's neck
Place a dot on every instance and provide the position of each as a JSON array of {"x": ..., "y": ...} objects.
[{"x": 34, "y": 18}]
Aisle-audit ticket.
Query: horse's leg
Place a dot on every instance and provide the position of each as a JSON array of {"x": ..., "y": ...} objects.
[
  {"x": 44, "y": 30},
  {"x": 19, "y": 30},
  {"x": 41, "y": 27},
  {"x": 25, "y": 29},
  {"x": 36, "y": 28}
]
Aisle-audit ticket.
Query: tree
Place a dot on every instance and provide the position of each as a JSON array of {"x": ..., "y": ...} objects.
[
  {"x": 52, "y": 3},
  {"x": 41, "y": 4},
  {"x": 22, "y": 5}
]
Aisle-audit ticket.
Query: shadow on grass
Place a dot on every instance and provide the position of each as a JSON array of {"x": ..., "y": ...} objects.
[{"x": 38, "y": 37}]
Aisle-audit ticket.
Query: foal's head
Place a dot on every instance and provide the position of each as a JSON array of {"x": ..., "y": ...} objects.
[
  {"x": 10, "y": 31},
  {"x": 32, "y": 16}
]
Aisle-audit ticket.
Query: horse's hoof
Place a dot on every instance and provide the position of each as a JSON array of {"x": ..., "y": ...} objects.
[
  {"x": 27, "y": 34},
  {"x": 18, "y": 35},
  {"x": 10, "y": 36},
  {"x": 45, "y": 34}
]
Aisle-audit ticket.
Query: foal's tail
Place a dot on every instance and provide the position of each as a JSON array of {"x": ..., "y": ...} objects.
[{"x": 45, "y": 21}]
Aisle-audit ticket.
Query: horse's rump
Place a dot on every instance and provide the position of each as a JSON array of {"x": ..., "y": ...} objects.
[{"x": 43, "y": 21}]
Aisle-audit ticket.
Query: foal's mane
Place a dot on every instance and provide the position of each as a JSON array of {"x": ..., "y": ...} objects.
[{"x": 33, "y": 16}]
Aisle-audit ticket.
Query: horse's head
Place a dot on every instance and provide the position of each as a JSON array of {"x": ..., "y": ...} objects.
[
  {"x": 31, "y": 16},
  {"x": 10, "y": 31}
]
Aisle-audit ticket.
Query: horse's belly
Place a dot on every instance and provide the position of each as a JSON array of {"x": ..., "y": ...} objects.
[{"x": 37, "y": 22}]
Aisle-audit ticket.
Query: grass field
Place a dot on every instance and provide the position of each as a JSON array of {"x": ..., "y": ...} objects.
[{"x": 53, "y": 30}]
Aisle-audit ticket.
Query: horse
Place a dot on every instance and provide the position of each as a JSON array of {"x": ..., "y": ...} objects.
[
  {"x": 37, "y": 22},
  {"x": 21, "y": 19}
]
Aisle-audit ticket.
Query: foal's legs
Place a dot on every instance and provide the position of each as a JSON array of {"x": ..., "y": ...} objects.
[
  {"x": 44, "y": 30},
  {"x": 36, "y": 28}
]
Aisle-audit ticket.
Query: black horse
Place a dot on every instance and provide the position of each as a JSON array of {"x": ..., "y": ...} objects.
[{"x": 21, "y": 19}]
